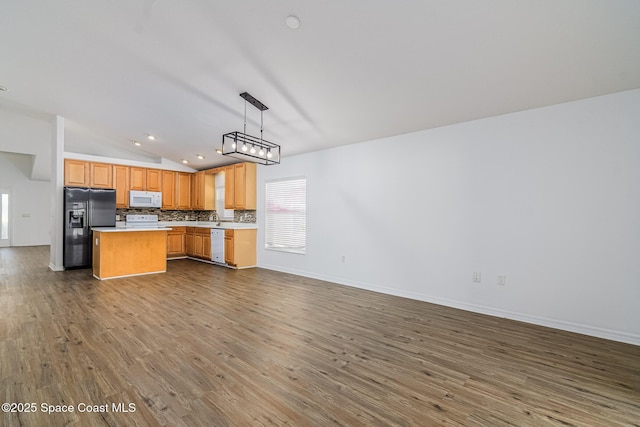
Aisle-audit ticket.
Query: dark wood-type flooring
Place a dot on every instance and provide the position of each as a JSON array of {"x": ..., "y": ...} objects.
[{"x": 207, "y": 346}]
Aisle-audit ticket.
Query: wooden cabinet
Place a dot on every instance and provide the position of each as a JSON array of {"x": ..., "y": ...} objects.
[
  {"x": 180, "y": 190},
  {"x": 245, "y": 186},
  {"x": 138, "y": 178},
  {"x": 229, "y": 257},
  {"x": 206, "y": 245},
  {"x": 121, "y": 184},
  {"x": 79, "y": 173},
  {"x": 154, "y": 180},
  {"x": 197, "y": 245},
  {"x": 183, "y": 190},
  {"x": 229, "y": 187},
  {"x": 240, "y": 247},
  {"x": 168, "y": 190},
  {"x": 188, "y": 239},
  {"x": 76, "y": 173},
  {"x": 101, "y": 175},
  {"x": 198, "y": 242},
  {"x": 197, "y": 185},
  {"x": 203, "y": 190},
  {"x": 119, "y": 254},
  {"x": 240, "y": 186},
  {"x": 176, "y": 242}
]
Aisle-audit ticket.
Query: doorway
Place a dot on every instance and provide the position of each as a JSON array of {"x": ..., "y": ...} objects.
[{"x": 4, "y": 217}]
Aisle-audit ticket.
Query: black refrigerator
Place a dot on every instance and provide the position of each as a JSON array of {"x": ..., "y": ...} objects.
[{"x": 85, "y": 208}]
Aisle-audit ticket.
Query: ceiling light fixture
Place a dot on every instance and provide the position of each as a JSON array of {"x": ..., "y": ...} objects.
[
  {"x": 136, "y": 143},
  {"x": 151, "y": 137},
  {"x": 233, "y": 140},
  {"x": 185, "y": 161},
  {"x": 292, "y": 22},
  {"x": 200, "y": 156}
]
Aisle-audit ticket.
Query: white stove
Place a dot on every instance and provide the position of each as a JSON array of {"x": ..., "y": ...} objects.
[{"x": 141, "y": 221}]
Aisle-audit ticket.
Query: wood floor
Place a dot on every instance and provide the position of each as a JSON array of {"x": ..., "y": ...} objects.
[{"x": 208, "y": 346}]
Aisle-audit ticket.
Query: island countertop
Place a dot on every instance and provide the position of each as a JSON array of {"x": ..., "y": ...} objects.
[{"x": 126, "y": 229}]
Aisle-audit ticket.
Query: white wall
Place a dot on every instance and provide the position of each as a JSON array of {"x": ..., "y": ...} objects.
[
  {"x": 548, "y": 197},
  {"x": 27, "y": 133},
  {"x": 29, "y": 203}
]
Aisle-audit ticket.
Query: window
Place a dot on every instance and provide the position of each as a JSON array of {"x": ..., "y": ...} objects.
[
  {"x": 286, "y": 215},
  {"x": 223, "y": 214}
]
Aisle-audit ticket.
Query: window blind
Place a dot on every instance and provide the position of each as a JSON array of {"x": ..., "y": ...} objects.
[{"x": 286, "y": 215}]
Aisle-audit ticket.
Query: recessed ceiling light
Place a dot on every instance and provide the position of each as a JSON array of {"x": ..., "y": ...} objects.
[
  {"x": 185, "y": 161},
  {"x": 200, "y": 156},
  {"x": 3, "y": 89},
  {"x": 292, "y": 22},
  {"x": 151, "y": 137},
  {"x": 219, "y": 151},
  {"x": 136, "y": 143}
]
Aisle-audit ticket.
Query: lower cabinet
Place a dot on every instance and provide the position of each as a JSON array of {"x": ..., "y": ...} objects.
[
  {"x": 198, "y": 242},
  {"x": 206, "y": 245},
  {"x": 176, "y": 242},
  {"x": 189, "y": 240},
  {"x": 240, "y": 247}
]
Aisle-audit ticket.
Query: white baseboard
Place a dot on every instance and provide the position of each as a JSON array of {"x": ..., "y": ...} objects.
[
  {"x": 54, "y": 267},
  {"x": 590, "y": 330}
]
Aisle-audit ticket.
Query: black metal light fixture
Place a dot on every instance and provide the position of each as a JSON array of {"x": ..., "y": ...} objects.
[{"x": 250, "y": 148}]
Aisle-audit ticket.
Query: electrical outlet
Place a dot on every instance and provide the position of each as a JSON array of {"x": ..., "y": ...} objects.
[
  {"x": 502, "y": 280},
  {"x": 476, "y": 276}
]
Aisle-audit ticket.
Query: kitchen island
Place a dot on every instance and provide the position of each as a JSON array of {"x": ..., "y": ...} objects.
[{"x": 122, "y": 252}]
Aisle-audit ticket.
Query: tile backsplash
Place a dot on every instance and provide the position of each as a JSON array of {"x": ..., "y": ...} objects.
[{"x": 163, "y": 215}]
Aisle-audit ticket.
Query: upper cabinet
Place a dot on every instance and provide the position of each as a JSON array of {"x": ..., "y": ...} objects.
[
  {"x": 240, "y": 186},
  {"x": 121, "y": 184},
  {"x": 138, "y": 178},
  {"x": 101, "y": 175},
  {"x": 203, "y": 190},
  {"x": 143, "y": 179},
  {"x": 154, "y": 180},
  {"x": 229, "y": 187},
  {"x": 183, "y": 190},
  {"x": 180, "y": 190},
  {"x": 197, "y": 185},
  {"x": 168, "y": 190},
  {"x": 77, "y": 173}
]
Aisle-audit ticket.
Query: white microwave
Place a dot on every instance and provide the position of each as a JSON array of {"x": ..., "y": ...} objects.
[{"x": 145, "y": 199}]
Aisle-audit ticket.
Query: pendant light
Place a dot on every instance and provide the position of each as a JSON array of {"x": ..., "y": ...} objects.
[{"x": 250, "y": 148}]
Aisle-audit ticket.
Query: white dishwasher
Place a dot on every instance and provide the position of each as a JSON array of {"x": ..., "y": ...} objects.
[{"x": 217, "y": 245}]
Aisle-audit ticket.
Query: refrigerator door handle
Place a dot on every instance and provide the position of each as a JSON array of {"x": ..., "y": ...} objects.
[{"x": 90, "y": 213}]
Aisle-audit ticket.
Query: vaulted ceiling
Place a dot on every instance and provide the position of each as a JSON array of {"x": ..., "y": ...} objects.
[{"x": 353, "y": 71}]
